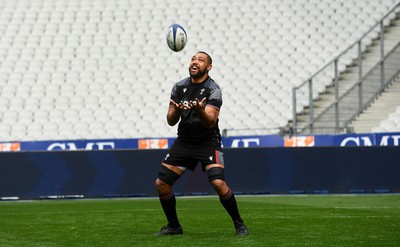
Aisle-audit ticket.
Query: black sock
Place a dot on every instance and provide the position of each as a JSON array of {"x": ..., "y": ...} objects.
[
  {"x": 168, "y": 204},
  {"x": 230, "y": 205}
]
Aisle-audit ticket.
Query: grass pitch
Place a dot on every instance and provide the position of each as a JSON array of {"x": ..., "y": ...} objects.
[{"x": 327, "y": 220}]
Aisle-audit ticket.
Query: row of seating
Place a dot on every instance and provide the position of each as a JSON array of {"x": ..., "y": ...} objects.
[{"x": 390, "y": 124}]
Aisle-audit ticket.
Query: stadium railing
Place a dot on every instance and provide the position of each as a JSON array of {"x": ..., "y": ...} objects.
[{"x": 347, "y": 103}]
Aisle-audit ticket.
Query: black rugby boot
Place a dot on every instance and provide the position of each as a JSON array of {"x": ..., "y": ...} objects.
[
  {"x": 168, "y": 230},
  {"x": 241, "y": 229}
]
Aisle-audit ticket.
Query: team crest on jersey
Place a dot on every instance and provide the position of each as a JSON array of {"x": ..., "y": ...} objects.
[
  {"x": 184, "y": 90},
  {"x": 211, "y": 158},
  {"x": 202, "y": 91}
]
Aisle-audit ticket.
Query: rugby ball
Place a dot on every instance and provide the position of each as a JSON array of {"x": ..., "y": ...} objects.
[{"x": 176, "y": 37}]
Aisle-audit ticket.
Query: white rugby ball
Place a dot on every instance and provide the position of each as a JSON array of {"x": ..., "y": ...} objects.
[{"x": 176, "y": 37}]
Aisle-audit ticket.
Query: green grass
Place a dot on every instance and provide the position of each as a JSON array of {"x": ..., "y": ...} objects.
[{"x": 326, "y": 220}]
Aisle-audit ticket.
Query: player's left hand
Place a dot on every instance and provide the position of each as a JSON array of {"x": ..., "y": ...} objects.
[{"x": 198, "y": 105}]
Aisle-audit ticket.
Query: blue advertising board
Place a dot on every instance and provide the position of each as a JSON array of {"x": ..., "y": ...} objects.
[
  {"x": 99, "y": 144},
  {"x": 338, "y": 140}
]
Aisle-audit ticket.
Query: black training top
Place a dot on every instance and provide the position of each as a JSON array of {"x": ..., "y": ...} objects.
[{"x": 190, "y": 129}]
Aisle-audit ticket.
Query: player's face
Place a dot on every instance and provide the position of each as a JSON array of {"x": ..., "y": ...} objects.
[{"x": 199, "y": 66}]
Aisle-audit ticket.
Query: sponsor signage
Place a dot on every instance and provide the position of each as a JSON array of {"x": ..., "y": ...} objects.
[
  {"x": 71, "y": 145},
  {"x": 387, "y": 139},
  {"x": 345, "y": 140},
  {"x": 341, "y": 140},
  {"x": 300, "y": 141},
  {"x": 10, "y": 146},
  {"x": 252, "y": 141},
  {"x": 153, "y": 143}
]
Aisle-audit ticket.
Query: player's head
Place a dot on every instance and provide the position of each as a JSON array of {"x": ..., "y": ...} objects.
[{"x": 199, "y": 66}]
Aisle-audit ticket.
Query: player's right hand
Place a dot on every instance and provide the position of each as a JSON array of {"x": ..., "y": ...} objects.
[{"x": 180, "y": 106}]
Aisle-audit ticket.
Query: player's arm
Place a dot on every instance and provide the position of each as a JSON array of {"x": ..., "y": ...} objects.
[{"x": 208, "y": 114}]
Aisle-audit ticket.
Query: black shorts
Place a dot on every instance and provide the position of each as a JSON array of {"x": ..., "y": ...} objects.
[{"x": 189, "y": 157}]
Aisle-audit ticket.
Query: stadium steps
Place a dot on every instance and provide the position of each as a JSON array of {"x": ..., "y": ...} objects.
[
  {"x": 349, "y": 77},
  {"x": 379, "y": 110}
]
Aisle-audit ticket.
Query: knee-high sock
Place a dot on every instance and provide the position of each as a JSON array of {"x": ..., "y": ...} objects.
[
  {"x": 168, "y": 203},
  {"x": 230, "y": 205}
]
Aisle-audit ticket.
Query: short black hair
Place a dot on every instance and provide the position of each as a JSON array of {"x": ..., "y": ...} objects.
[{"x": 208, "y": 56}]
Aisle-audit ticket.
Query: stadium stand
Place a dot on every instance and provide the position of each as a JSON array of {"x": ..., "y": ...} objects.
[
  {"x": 363, "y": 76},
  {"x": 83, "y": 69}
]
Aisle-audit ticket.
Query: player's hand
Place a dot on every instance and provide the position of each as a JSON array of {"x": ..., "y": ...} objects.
[
  {"x": 197, "y": 105},
  {"x": 180, "y": 107}
]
